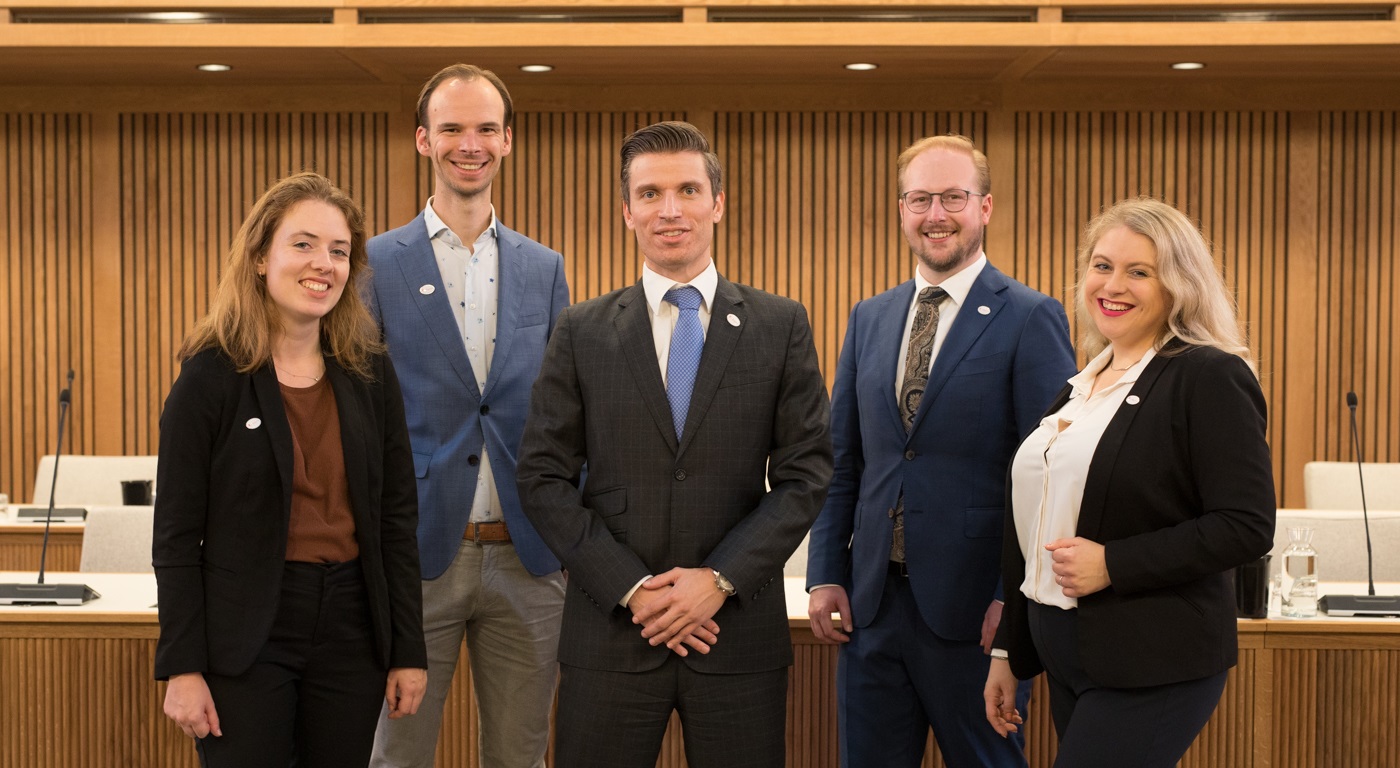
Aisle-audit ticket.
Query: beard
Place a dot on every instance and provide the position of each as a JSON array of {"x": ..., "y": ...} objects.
[{"x": 961, "y": 254}]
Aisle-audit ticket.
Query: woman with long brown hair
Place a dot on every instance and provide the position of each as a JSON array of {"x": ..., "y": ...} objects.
[{"x": 285, "y": 533}]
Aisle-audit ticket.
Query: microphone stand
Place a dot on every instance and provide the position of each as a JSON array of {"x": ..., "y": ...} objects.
[
  {"x": 40, "y": 593},
  {"x": 1369, "y": 604}
]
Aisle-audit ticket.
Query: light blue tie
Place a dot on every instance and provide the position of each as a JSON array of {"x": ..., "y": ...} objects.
[{"x": 687, "y": 342}]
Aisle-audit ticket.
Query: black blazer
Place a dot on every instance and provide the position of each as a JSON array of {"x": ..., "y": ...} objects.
[
  {"x": 759, "y": 411},
  {"x": 1180, "y": 491},
  {"x": 221, "y": 517}
]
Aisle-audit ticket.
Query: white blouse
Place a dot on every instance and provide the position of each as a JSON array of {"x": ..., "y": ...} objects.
[{"x": 1049, "y": 470}]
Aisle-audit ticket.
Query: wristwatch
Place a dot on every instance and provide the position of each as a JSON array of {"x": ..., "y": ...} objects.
[{"x": 722, "y": 584}]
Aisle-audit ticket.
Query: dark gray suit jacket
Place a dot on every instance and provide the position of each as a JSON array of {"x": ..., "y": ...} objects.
[{"x": 759, "y": 411}]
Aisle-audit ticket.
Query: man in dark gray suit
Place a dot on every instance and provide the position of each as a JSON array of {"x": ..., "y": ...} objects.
[{"x": 681, "y": 394}]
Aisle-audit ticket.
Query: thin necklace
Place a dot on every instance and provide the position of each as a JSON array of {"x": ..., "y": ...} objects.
[
  {"x": 288, "y": 372},
  {"x": 1124, "y": 368}
]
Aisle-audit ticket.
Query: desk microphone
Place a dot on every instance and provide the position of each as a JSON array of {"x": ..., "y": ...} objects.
[
  {"x": 40, "y": 593},
  {"x": 1369, "y": 604}
]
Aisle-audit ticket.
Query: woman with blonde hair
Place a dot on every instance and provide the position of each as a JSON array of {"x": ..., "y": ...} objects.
[
  {"x": 285, "y": 534},
  {"x": 1147, "y": 481}
]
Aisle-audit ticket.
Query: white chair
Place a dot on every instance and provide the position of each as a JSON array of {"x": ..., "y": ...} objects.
[
  {"x": 1339, "y": 536},
  {"x": 90, "y": 480},
  {"x": 1337, "y": 485},
  {"x": 117, "y": 540}
]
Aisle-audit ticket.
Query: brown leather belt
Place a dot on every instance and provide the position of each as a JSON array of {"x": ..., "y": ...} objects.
[{"x": 487, "y": 533}]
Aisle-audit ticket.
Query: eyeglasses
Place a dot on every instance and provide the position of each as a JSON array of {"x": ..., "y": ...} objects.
[{"x": 952, "y": 200}]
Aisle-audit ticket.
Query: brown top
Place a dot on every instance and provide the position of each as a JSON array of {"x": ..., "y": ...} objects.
[{"x": 322, "y": 529}]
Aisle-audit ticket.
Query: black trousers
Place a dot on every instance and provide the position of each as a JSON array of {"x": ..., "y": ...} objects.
[
  {"x": 618, "y": 719},
  {"x": 314, "y": 692},
  {"x": 1103, "y": 727}
]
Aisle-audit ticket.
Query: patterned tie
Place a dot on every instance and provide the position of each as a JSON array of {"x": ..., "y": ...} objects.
[
  {"x": 916, "y": 365},
  {"x": 687, "y": 342}
]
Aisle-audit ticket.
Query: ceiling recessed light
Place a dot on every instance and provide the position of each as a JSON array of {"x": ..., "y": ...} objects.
[
  {"x": 1185, "y": 65},
  {"x": 213, "y": 67},
  {"x": 861, "y": 66},
  {"x": 536, "y": 68}
]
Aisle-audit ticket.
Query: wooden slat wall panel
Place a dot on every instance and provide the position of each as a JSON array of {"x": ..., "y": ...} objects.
[
  {"x": 46, "y": 244},
  {"x": 812, "y": 209},
  {"x": 1357, "y": 281},
  {"x": 187, "y": 182},
  {"x": 1228, "y": 171}
]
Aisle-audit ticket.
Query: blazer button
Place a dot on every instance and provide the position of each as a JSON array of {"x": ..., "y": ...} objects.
[
  {"x": 890, "y": 513},
  {"x": 485, "y": 409},
  {"x": 473, "y": 459},
  {"x": 909, "y": 455},
  {"x": 680, "y": 474}
]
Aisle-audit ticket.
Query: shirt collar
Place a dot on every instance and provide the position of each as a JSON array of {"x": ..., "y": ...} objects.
[
  {"x": 437, "y": 227},
  {"x": 958, "y": 285},
  {"x": 656, "y": 286},
  {"x": 1083, "y": 381}
]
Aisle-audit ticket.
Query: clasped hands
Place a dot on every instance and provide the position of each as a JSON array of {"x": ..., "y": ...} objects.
[{"x": 676, "y": 608}]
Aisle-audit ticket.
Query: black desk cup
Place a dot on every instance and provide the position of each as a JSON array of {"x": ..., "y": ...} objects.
[
  {"x": 1252, "y": 589},
  {"x": 136, "y": 493}
]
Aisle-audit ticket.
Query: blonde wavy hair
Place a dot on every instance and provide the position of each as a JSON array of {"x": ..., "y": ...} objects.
[
  {"x": 243, "y": 320},
  {"x": 1202, "y": 309}
]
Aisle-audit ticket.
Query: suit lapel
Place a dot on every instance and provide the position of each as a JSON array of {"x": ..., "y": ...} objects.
[
  {"x": 887, "y": 338},
  {"x": 720, "y": 339},
  {"x": 634, "y": 332},
  {"x": 513, "y": 274},
  {"x": 352, "y": 440},
  {"x": 1093, "y": 506},
  {"x": 420, "y": 270},
  {"x": 279, "y": 431},
  {"x": 971, "y": 321}
]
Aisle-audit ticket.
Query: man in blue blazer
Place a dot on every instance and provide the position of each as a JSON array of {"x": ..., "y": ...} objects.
[
  {"x": 467, "y": 306},
  {"x": 938, "y": 381}
]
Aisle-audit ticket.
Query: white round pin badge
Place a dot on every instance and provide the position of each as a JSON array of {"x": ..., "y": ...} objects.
[
  {"x": 426, "y": 290},
  {"x": 733, "y": 320},
  {"x": 984, "y": 310},
  {"x": 253, "y": 423},
  {"x": 1133, "y": 400}
]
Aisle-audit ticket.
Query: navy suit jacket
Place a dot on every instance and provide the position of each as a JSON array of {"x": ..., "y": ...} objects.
[
  {"x": 1002, "y": 361},
  {"x": 1180, "y": 491},
  {"x": 651, "y": 502},
  {"x": 450, "y": 418}
]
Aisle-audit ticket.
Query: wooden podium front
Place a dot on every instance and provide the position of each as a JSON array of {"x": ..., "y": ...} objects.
[{"x": 77, "y": 693}]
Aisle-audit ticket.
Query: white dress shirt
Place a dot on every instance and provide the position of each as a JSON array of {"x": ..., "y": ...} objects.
[
  {"x": 1051, "y": 466},
  {"x": 471, "y": 278}
]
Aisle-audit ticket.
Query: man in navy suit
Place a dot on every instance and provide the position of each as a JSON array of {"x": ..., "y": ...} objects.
[
  {"x": 939, "y": 380},
  {"x": 467, "y": 306}
]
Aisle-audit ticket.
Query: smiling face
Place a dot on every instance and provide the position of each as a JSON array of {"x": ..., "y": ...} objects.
[
  {"x": 944, "y": 242},
  {"x": 307, "y": 263},
  {"x": 672, "y": 209},
  {"x": 1123, "y": 292},
  {"x": 465, "y": 136}
]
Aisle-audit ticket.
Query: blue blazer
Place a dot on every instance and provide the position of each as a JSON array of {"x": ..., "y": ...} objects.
[
  {"x": 1006, "y": 355},
  {"x": 450, "y": 419}
]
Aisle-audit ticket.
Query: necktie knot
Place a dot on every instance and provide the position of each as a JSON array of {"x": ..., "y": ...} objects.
[
  {"x": 932, "y": 294},
  {"x": 684, "y": 297}
]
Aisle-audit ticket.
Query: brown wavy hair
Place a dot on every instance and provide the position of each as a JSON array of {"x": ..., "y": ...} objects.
[{"x": 243, "y": 320}]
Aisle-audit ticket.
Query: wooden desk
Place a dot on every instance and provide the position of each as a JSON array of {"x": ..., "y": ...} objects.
[
  {"x": 77, "y": 693},
  {"x": 21, "y": 543}
]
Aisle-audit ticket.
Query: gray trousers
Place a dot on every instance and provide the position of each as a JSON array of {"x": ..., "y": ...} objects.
[{"x": 510, "y": 619}]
